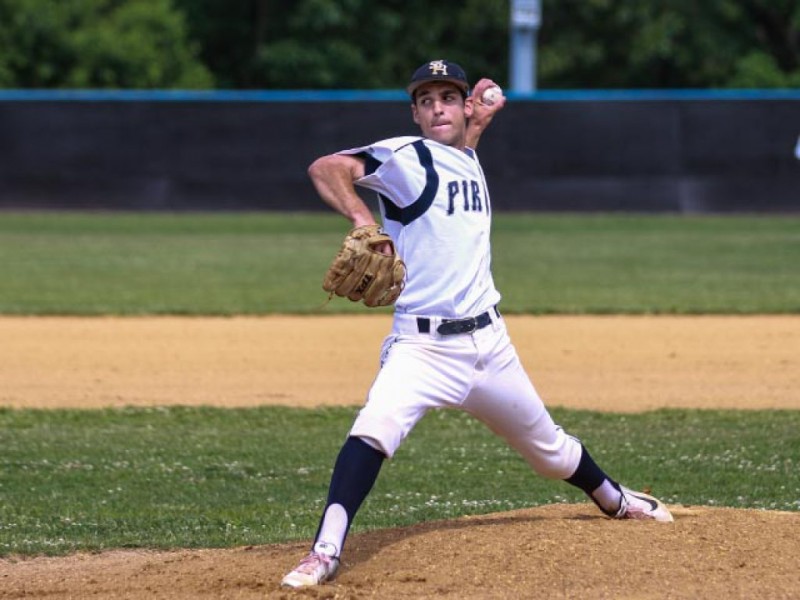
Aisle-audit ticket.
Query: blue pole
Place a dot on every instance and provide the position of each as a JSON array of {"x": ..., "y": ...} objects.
[{"x": 525, "y": 19}]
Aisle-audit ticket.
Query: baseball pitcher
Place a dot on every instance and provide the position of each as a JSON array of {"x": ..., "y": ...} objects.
[{"x": 448, "y": 347}]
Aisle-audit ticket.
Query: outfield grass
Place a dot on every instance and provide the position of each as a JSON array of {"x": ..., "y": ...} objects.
[
  {"x": 84, "y": 263},
  {"x": 207, "y": 477}
]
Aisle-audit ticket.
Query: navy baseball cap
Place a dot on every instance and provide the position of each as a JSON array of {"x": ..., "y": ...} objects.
[{"x": 439, "y": 70}]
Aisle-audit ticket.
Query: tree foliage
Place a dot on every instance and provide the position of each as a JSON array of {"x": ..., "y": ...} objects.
[
  {"x": 671, "y": 43},
  {"x": 344, "y": 43},
  {"x": 323, "y": 44},
  {"x": 97, "y": 43}
]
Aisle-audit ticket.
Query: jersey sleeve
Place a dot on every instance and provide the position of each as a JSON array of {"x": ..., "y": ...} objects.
[{"x": 392, "y": 169}]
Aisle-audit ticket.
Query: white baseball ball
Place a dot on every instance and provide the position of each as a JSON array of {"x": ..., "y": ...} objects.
[{"x": 492, "y": 95}]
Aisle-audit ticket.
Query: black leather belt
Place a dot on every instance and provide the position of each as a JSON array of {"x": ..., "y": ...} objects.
[{"x": 456, "y": 326}]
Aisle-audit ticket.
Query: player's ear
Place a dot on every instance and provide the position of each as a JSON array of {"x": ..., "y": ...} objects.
[{"x": 414, "y": 113}]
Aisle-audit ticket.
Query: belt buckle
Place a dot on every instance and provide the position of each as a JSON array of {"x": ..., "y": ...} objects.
[{"x": 456, "y": 326}]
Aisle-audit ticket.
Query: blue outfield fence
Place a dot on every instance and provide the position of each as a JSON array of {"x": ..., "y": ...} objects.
[
  {"x": 688, "y": 151},
  {"x": 383, "y": 95}
]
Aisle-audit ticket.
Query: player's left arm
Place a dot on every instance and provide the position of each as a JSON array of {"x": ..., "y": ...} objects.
[{"x": 482, "y": 114}]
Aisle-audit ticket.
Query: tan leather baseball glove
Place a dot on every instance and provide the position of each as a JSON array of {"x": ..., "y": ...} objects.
[{"x": 361, "y": 272}]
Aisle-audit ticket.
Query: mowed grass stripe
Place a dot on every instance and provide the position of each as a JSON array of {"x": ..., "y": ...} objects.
[{"x": 224, "y": 264}]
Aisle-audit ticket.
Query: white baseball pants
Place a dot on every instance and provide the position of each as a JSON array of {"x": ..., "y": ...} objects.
[{"x": 477, "y": 372}]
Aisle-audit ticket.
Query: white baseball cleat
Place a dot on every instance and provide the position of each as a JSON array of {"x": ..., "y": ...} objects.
[
  {"x": 641, "y": 506},
  {"x": 316, "y": 568}
]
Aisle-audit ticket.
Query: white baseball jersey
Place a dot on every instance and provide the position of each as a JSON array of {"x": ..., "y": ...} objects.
[{"x": 436, "y": 207}]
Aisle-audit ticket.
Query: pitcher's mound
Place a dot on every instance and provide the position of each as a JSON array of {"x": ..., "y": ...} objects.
[{"x": 556, "y": 551}]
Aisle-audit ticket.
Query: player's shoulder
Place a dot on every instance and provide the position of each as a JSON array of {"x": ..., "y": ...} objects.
[
  {"x": 396, "y": 143},
  {"x": 383, "y": 150}
]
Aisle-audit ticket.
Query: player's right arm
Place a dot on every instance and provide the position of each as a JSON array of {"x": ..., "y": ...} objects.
[{"x": 333, "y": 177}]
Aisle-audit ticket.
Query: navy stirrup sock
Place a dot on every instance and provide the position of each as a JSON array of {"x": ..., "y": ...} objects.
[
  {"x": 356, "y": 469},
  {"x": 590, "y": 477},
  {"x": 354, "y": 474}
]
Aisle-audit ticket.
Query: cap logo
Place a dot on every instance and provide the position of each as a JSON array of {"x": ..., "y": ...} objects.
[{"x": 438, "y": 67}]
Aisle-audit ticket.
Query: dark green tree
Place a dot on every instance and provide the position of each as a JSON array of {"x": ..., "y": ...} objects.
[
  {"x": 344, "y": 43},
  {"x": 670, "y": 43},
  {"x": 97, "y": 44},
  {"x": 325, "y": 44}
]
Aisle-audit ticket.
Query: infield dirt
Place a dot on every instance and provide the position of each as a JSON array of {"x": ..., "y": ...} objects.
[{"x": 561, "y": 551}]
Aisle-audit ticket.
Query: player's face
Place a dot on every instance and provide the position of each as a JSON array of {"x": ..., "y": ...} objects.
[{"x": 441, "y": 113}]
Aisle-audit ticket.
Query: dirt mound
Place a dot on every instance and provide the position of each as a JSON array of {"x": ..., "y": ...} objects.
[{"x": 559, "y": 551}]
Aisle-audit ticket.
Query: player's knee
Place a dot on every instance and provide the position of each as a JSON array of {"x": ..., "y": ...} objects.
[
  {"x": 556, "y": 460},
  {"x": 382, "y": 433}
]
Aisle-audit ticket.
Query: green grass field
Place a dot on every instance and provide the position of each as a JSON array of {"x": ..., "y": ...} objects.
[
  {"x": 202, "y": 477},
  {"x": 77, "y": 263}
]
